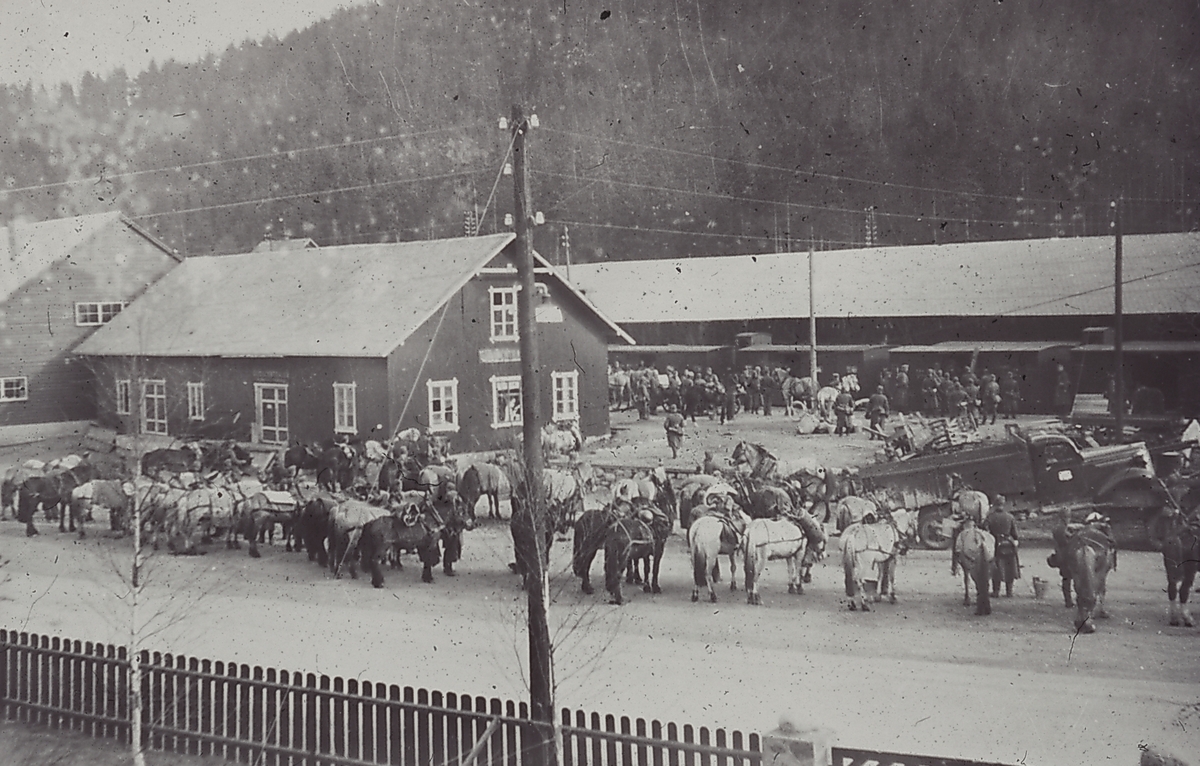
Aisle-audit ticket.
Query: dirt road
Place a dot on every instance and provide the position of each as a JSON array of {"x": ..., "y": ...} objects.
[{"x": 923, "y": 676}]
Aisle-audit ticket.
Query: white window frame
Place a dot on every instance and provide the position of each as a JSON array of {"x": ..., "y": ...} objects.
[
  {"x": 506, "y": 383},
  {"x": 18, "y": 380},
  {"x": 124, "y": 398},
  {"x": 508, "y": 314},
  {"x": 259, "y": 390},
  {"x": 92, "y": 313},
  {"x": 154, "y": 425},
  {"x": 345, "y": 408},
  {"x": 567, "y": 382},
  {"x": 195, "y": 396},
  {"x": 443, "y": 392}
]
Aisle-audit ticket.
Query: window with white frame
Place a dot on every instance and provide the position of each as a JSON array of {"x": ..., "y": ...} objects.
[
  {"x": 443, "y": 404},
  {"x": 91, "y": 314},
  {"x": 506, "y": 401},
  {"x": 14, "y": 389},
  {"x": 154, "y": 406},
  {"x": 271, "y": 404},
  {"x": 195, "y": 393},
  {"x": 345, "y": 408},
  {"x": 503, "y": 301},
  {"x": 124, "y": 397},
  {"x": 566, "y": 394}
]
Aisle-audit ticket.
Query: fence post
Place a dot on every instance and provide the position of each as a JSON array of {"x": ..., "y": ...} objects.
[{"x": 792, "y": 745}]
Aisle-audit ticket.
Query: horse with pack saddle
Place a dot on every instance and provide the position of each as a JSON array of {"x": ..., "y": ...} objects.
[
  {"x": 51, "y": 492},
  {"x": 1084, "y": 554},
  {"x": 629, "y": 531},
  {"x": 791, "y": 535},
  {"x": 719, "y": 530}
]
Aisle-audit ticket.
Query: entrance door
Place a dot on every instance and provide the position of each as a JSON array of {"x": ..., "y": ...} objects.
[{"x": 271, "y": 402}]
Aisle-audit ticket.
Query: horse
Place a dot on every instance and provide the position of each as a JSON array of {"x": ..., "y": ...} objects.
[
  {"x": 52, "y": 493},
  {"x": 1090, "y": 556},
  {"x": 796, "y": 538},
  {"x": 762, "y": 500},
  {"x": 562, "y": 438},
  {"x": 113, "y": 494},
  {"x": 761, "y": 464},
  {"x": 176, "y": 461},
  {"x": 256, "y": 513},
  {"x": 870, "y": 548},
  {"x": 632, "y": 538},
  {"x": 795, "y": 389},
  {"x": 412, "y": 525},
  {"x": 975, "y": 550},
  {"x": 1179, "y": 535},
  {"x": 591, "y": 530},
  {"x": 653, "y": 486},
  {"x": 620, "y": 395},
  {"x": 312, "y": 527},
  {"x": 301, "y": 457},
  {"x": 563, "y": 498},
  {"x": 435, "y": 480},
  {"x": 691, "y": 495},
  {"x": 346, "y": 523},
  {"x": 338, "y": 466},
  {"x": 708, "y": 538},
  {"x": 825, "y": 398},
  {"x": 482, "y": 480}
]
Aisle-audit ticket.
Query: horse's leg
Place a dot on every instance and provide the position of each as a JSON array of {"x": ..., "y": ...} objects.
[
  {"x": 658, "y": 554},
  {"x": 1101, "y": 591},
  {"x": 966, "y": 573},
  {"x": 1173, "y": 577},
  {"x": 983, "y": 599},
  {"x": 732, "y": 570},
  {"x": 795, "y": 581}
]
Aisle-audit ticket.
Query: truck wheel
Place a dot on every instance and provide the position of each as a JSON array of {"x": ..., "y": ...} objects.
[{"x": 930, "y": 531}]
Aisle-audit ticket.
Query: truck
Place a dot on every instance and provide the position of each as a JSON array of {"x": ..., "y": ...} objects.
[{"x": 1038, "y": 473}]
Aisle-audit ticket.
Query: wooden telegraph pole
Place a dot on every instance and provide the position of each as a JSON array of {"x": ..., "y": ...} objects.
[
  {"x": 1118, "y": 328},
  {"x": 537, "y": 580},
  {"x": 812, "y": 318}
]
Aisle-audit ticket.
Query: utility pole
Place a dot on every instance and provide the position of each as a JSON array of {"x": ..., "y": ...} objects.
[
  {"x": 537, "y": 580},
  {"x": 812, "y": 317},
  {"x": 1118, "y": 326}
]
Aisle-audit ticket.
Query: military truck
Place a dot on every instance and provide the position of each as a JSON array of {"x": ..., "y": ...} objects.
[{"x": 1043, "y": 472}]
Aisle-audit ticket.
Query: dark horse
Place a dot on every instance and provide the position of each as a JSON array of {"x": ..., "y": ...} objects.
[
  {"x": 312, "y": 527},
  {"x": 629, "y": 533},
  {"x": 52, "y": 493},
  {"x": 1179, "y": 534},
  {"x": 301, "y": 457},
  {"x": 413, "y": 528}
]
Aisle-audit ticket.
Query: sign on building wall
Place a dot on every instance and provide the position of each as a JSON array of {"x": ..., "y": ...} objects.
[{"x": 499, "y": 354}]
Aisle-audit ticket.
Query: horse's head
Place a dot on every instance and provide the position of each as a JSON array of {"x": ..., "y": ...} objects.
[{"x": 463, "y": 510}]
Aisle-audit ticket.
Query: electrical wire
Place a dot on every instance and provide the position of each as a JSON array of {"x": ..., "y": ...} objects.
[
  {"x": 499, "y": 175},
  {"x": 682, "y": 232},
  {"x": 299, "y": 195},
  {"x": 832, "y": 176},
  {"x": 283, "y": 153}
]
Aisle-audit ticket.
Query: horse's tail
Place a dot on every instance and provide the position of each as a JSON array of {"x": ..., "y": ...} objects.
[
  {"x": 700, "y": 564},
  {"x": 1084, "y": 563},
  {"x": 750, "y": 559}
]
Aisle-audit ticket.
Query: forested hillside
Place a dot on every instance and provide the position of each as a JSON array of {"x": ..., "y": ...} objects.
[{"x": 667, "y": 128}]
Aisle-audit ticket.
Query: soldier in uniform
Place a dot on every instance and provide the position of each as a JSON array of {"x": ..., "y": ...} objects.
[
  {"x": 1007, "y": 566},
  {"x": 674, "y": 427},
  {"x": 843, "y": 408},
  {"x": 877, "y": 412}
]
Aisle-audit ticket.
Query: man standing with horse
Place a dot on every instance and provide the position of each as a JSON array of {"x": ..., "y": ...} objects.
[{"x": 674, "y": 427}]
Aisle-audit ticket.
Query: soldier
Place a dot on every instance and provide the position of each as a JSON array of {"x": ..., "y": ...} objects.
[
  {"x": 843, "y": 408},
  {"x": 989, "y": 398},
  {"x": 877, "y": 413},
  {"x": 902, "y": 389},
  {"x": 1010, "y": 395},
  {"x": 1007, "y": 566},
  {"x": 674, "y": 427},
  {"x": 1062, "y": 391}
]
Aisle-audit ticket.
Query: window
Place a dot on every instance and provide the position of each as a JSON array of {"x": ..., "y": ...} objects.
[
  {"x": 154, "y": 406},
  {"x": 443, "y": 405},
  {"x": 123, "y": 397},
  {"x": 566, "y": 395},
  {"x": 504, "y": 312},
  {"x": 14, "y": 389},
  {"x": 345, "y": 412},
  {"x": 271, "y": 402},
  {"x": 92, "y": 314},
  {"x": 506, "y": 401},
  {"x": 195, "y": 392}
]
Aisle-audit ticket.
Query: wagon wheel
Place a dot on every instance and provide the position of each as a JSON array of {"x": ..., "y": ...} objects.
[{"x": 929, "y": 529}]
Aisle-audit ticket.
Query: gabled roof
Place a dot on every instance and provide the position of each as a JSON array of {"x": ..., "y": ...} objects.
[
  {"x": 983, "y": 347},
  {"x": 1039, "y": 277},
  {"x": 40, "y": 245},
  {"x": 345, "y": 301}
]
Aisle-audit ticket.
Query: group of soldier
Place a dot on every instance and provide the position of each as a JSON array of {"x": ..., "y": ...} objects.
[{"x": 934, "y": 392}]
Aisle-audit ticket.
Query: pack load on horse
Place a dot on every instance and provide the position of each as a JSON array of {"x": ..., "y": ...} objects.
[
  {"x": 802, "y": 390},
  {"x": 869, "y": 552},
  {"x": 629, "y": 532},
  {"x": 478, "y": 480},
  {"x": 112, "y": 494},
  {"x": 52, "y": 492},
  {"x": 257, "y": 511},
  {"x": 720, "y": 530},
  {"x": 793, "y": 536},
  {"x": 691, "y": 495},
  {"x": 975, "y": 552},
  {"x": 1084, "y": 555},
  {"x": 652, "y": 486},
  {"x": 376, "y": 534}
]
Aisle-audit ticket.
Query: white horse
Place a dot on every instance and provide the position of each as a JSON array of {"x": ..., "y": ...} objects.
[
  {"x": 796, "y": 538},
  {"x": 824, "y": 404},
  {"x": 975, "y": 549},
  {"x": 871, "y": 549},
  {"x": 710, "y": 537}
]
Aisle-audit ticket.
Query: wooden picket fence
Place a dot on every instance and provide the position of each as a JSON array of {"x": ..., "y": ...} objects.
[
  {"x": 267, "y": 716},
  {"x": 277, "y": 718}
]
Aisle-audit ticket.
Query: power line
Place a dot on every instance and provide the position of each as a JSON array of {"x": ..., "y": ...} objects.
[
  {"x": 835, "y": 177},
  {"x": 1102, "y": 288},
  {"x": 680, "y": 232},
  {"x": 282, "y": 153},
  {"x": 299, "y": 195},
  {"x": 806, "y": 206}
]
